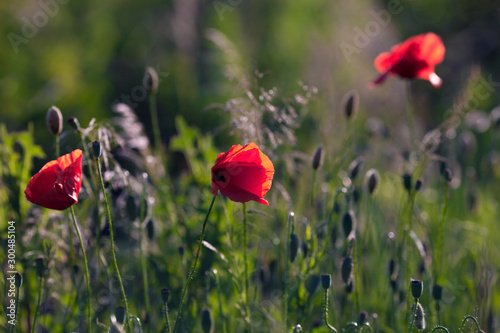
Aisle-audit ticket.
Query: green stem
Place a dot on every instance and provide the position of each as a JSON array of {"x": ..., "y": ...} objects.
[
  {"x": 408, "y": 247},
  {"x": 141, "y": 249},
  {"x": 245, "y": 260},
  {"x": 190, "y": 276},
  {"x": 39, "y": 302},
  {"x": 217, "y": 286},
  {"x": 56, "y": 139},
  {"x": 325, "y": 313},
  {"x": 165, "y": 309},
  {"x": 313, "y": 192},
  {"x": 85, "y": 265},
  {"x": 112, "y": 239},
  {"x": 154, "y": 120},
  {"x": 357, "y": 287},
  {"x": 414, "y": 314},
  {"x": 440, "y": 236},
  {"x": 287, "y": 258},
  {"x": 440, "y": 328}
]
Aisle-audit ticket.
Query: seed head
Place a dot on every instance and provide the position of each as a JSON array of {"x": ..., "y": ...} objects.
[
  {"x": 371, "y": 180},
  {"x": 151, "y": 80},
  {"x": 350, "y": 104},
  {"x": 354, "y": 168},
  {"x": 348, "y": 222},
  {"x": 417, "y": 287},
  {"x": 206, "y": 321},
  {"x": 326, "y": 281},
  {"x": 407, "y": 182},
  {"x": 96, "y": 149},
  {"x": 346, "y": 270},
  {"x": 437, "y": 292},
  {"x": 317, "y": 159}
]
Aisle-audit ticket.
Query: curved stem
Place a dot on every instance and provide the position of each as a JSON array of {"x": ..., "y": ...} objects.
[
  {"x": 367, "y": 325},
  {"x": 112, "y": 239},
  {"x": 245, "y": 260},
  {"x": 85, "y": 265},
  {"x": 351, "y": 325},
  {"x": 39, "y": 302},
  {"x": 465, "y": 320},
  {"x": 325, "y": 313},
  {"x": 190, "y": 276},
  {"x": 440, "y": 328}
]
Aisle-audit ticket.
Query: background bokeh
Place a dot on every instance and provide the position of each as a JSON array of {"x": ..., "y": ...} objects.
[{"x": 85, "y": 56}]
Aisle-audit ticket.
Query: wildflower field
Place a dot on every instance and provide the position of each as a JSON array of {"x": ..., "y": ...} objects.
[{"x": 340, "y": 173}]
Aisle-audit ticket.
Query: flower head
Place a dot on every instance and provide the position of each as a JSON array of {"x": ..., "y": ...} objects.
[
  {"x": 57, "y": 184},
  {"x": 413, "y": 58},
  {"x": 243, "y": 174}
]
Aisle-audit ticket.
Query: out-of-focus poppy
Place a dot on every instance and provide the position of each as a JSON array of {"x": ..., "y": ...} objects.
[
  {"x": 243, "y": 174},
  {"x": 413, "y": 58},
  {"x": 57, "y": 184}
]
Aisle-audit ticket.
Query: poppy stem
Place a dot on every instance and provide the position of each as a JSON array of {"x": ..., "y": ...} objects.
[
  {"x": 85, "y": 265},
  {"x": 154, "y": 120},
  {"x": 39, "y": 302},
  {"x": 112, "y": 239},
  {"x": 190, "y": 276},
  {"x": 56, "y": 138},
  {"x": 440, "y": 236},
  {"x": 325, "y": 313},
  {"x": 245, "y": 259},
  {"x": 413, "y": 315},
  {"x": 142, "y": 217}
]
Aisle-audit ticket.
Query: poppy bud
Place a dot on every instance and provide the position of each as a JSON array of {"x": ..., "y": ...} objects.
[
  {"x": 165, "y": 295},
  {"x": 96, "y": 149},
  {"x": 447, "y": 174},
  {"x": 120, "y": 314},
  {"x": 73, "y": 122},
  {"x": 418, "y": 185},
  {"x": 54, "y": 120},
  {"x": 39, "y": 267},
  {"x": 313, "y": 283},
  {"x": 206, "y": 321},
  {"x": 326, "y": 281},
  {"x": 150, "y": 228},
  {"x": 317, "y": 160},
  {"x": 349, "y": 287},
  {"x": 354, "y": 168},
  {"x": 350, "y": 104},
  {"x": 362, "y": 317},
  {"x": 417, "y": 287},
  {"x": 407, "y": 181},
  {"x": 437, "y": 292},
  {"x": 297, "y": 329},
  {"x": 371, "y": 180},
  {"x": 346, "y": 270},
  {"x": 348, "y": 221},
  {"x": 181, "y": 250},
  {"x": 151, "y": 80},
  {"x": 19, "y": 280},
  {"x": 294, "y": 246},
  {"x": 419, "y": 317}
]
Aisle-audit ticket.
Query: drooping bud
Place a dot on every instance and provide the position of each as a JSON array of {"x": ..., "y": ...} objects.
[
  {"x": 120, "y": 314},
  {"x": 313, "y": 283},
  {"x": 96, "y": 149},
  {"x": 294, "y": 246},
  {"x": 407, "y": 181},
  {"x": 417, "y": 287},
  {"x": 165, "y": 295},
  {"x": 350, "y": 104},
  {"x": 151, "y": 80},
  {"x": 355, "y": 168},
  {"x": 39, "y": 267},
  {"x": 317, "y": 159},
  {"x": 346, "y": 269},
  {"x": 326, "y": 281},
  {"x": 73, "y": 122},
  {"x": 206, "y": 321},
  {"x": 54, "y": 120},
  {"x": 419, "y": 317},
  {"x": 348, "y": 222},
  {"x": 371, "y": 180},
  {"x": 437, "y": 292}
]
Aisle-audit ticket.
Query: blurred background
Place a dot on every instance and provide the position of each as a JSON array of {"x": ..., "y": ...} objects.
[{"x": 85, "y": 56}]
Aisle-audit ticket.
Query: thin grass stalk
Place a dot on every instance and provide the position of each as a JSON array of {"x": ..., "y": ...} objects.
[
  {"x": 357, "y": 287},
  {"x": 85, "y": 266},
  {"x": 112, "y": 239},
  {"x": 190, "y": 276},
  {"x": 287, "y": 258},
  {"x": 221, "y": 312},
  {"x": 154, "y": 120},
  {"x": 440, "y": 236},
  {"x": 56, "y": 140},
  {"x": 141, "y": 249}
]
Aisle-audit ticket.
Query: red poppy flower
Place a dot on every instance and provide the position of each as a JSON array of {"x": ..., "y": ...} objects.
[
  {"x": 243, "y": 174},
  {"x": 57, "y": 184},
  {"x": 413, "y": 58}
]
